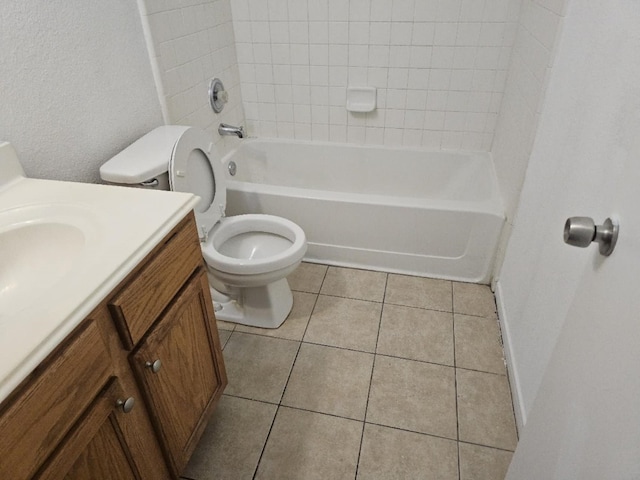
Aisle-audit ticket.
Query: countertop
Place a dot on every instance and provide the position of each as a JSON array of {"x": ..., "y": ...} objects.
[{"x": 122, "y": 225}]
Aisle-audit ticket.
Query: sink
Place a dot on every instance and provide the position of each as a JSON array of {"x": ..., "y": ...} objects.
[{"x": 40, "y": 245}]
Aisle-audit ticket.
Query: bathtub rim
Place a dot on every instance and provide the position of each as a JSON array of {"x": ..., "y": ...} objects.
[{"x": 493, "y": 205}]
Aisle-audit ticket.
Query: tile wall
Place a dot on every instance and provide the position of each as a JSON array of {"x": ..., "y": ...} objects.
[
  {"x": 193, "y": 42},
  {"x": 440, "y": 67},
  {"x": 532, "y": 59}
]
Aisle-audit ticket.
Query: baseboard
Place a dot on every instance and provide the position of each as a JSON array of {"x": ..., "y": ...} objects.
[{"x": 516, "y": 392}]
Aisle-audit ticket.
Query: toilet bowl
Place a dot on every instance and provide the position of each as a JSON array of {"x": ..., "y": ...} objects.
[{"x": 247, "y": 256}]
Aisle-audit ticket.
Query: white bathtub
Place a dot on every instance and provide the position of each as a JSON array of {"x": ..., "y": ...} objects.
[{"x": 426, "y": 213}]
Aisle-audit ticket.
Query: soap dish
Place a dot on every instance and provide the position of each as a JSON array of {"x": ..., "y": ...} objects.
[{"x": 361, "y": 99}]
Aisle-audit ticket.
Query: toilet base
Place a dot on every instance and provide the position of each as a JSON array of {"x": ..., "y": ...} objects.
[{"x": 264, "y": 307}]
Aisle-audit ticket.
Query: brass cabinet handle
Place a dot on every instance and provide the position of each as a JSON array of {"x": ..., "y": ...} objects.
[
  {"x": 154, "y": 366},
  {"x": 126, "y": 405}
]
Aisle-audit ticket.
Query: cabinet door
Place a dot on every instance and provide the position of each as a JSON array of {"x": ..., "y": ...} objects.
[
  {"x": 182, "y": 393},
  {"x": 95, "y": 448}
]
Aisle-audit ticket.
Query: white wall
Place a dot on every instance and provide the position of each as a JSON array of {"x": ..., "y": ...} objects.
[
  {"x": 540, "y": 274},
  {"x": 192, "y": 42},
  {"x": 533, "y": 54},
  {"x": 439, "y": 66},
  {"x": 76, "y": 84}
]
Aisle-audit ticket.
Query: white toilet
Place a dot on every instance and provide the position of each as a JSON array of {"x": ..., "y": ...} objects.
[{"x": 248, "y": 256}]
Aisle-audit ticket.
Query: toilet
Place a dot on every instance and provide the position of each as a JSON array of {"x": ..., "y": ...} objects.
[{"x": 248, "y": 257}]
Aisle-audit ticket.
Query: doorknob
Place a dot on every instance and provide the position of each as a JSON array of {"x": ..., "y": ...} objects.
[{"x": 581, "y": 231}]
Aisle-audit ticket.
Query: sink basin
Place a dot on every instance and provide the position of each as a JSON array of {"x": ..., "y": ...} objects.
[{"x": 40, "y": 245}]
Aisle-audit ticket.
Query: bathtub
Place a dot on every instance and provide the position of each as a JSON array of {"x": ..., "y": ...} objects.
[{"x": 410, "y": 211}]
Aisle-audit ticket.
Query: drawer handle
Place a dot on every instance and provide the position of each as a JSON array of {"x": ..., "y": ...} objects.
[
  {"x": 154, "y": 366},
  {"x": 126, "y": 405}
]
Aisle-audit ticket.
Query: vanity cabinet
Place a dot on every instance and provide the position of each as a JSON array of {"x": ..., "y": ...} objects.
[
  {"x": 128, "y": 393},
  {"x": 179, "y": 369}
]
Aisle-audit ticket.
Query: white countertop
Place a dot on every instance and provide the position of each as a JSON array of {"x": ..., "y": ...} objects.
[{"x": 121, "y": 225}]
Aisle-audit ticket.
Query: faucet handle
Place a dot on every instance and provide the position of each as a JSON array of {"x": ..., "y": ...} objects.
[
  {"x": 222, "y": 96},
  {"x": 218, "y": 96}
]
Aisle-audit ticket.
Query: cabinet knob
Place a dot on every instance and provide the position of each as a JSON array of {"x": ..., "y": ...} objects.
[
  {"x": 126, "y": 405},
  {"x": 154, "y": 366}
]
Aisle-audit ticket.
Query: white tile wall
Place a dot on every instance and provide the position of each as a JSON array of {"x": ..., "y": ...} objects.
[
  {"x": 532, "y": 60},
  {"x": 193, "y": 41},
  {"x": 439, "y": 65}
]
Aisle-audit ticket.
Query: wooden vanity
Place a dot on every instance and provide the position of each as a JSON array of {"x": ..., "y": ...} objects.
[{"x": 128, "y": 393}]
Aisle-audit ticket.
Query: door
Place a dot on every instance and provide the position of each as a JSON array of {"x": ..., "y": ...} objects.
[
  {"x": 585, "y": 420},
  {"x": 184, "y": 386}
]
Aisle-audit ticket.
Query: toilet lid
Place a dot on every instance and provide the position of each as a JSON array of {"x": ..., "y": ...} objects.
[{"x": 195, "y": 167}]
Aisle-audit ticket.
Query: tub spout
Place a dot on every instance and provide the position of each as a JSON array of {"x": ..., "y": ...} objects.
[{"x": 225, "y": 129}]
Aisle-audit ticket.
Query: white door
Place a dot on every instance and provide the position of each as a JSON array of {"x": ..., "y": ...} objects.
[{"x": 585, "y": 421}]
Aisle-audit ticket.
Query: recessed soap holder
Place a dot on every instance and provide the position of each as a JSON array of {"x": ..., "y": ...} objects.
[{"x": 361, "y": 99}]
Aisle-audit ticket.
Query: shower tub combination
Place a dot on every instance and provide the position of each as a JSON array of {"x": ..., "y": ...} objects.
[{"x": 411, "y": 211}]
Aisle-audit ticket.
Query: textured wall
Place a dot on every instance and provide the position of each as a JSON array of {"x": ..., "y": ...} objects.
[
  {"x": 192, "y": 42},
  {"x": 439, "y": 66},
  {"x": 75, "y": 84}
]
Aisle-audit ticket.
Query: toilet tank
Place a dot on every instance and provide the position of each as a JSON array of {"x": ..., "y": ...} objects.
[{"x": 145, "y": 160}]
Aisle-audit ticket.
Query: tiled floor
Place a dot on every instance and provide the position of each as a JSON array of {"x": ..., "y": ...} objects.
[{"x": 372, "y": 376}]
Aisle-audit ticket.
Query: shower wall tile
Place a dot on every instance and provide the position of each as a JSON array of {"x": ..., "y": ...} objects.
[
  {"x": 193, "y": 42},
  {"x": 440, "y": 68}
]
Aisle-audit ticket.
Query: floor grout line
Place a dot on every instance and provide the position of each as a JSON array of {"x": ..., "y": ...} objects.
[
  {"x": 264, "y": 446},
  {"x": 373, "y": 366},
  {"x": 372, "y": 352},
  {"x": 455, "y": 385},
  {"x": 416, "y": 432}
]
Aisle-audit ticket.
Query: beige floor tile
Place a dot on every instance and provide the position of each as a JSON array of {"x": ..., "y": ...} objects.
[
  {"x": 330, "y": 380},
  {"x": 307, "y": 277},
  {"x": 393, "y": 454},
  {"x": 344, "y": 322},
  {"x": 414, "y": 396},
  {"x": 485, "y": 412},
  {"x": 258, "y": 367},
  {"x": 419, "y": 292},
  {"x": 416, "y": 334},
  {"x": 351, "y": 283},
  {"x": 229, "y": 326},
  {"x": 472, "y": 299},
  {"x": 224, "y": 337},
  {"x": 309, "y": 446},
  {"x": 231, "y": 445},
  {"x": 478, "y": 344},
  {"x": 296, "y": 323},
  {"x": 483, "y": 463}
]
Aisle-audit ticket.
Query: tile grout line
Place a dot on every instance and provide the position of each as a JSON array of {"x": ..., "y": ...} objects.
[
  {"x": 455, "y": 379},
  {"x": 264, "y": 446},
  {"x": 366, "y": 407},
  {"x": 372, "y": 423},
  {"x": 374, "y": 353}
]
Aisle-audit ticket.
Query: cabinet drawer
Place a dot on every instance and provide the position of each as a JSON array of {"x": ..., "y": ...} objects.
[
  {"x": 51, "y": 401},
  {"x": 140, "y": 301}
]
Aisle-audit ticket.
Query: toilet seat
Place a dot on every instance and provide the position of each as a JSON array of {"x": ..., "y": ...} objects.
[
  {"x": 288, "y": 245},
  {"x": 192, "y": 170}
]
